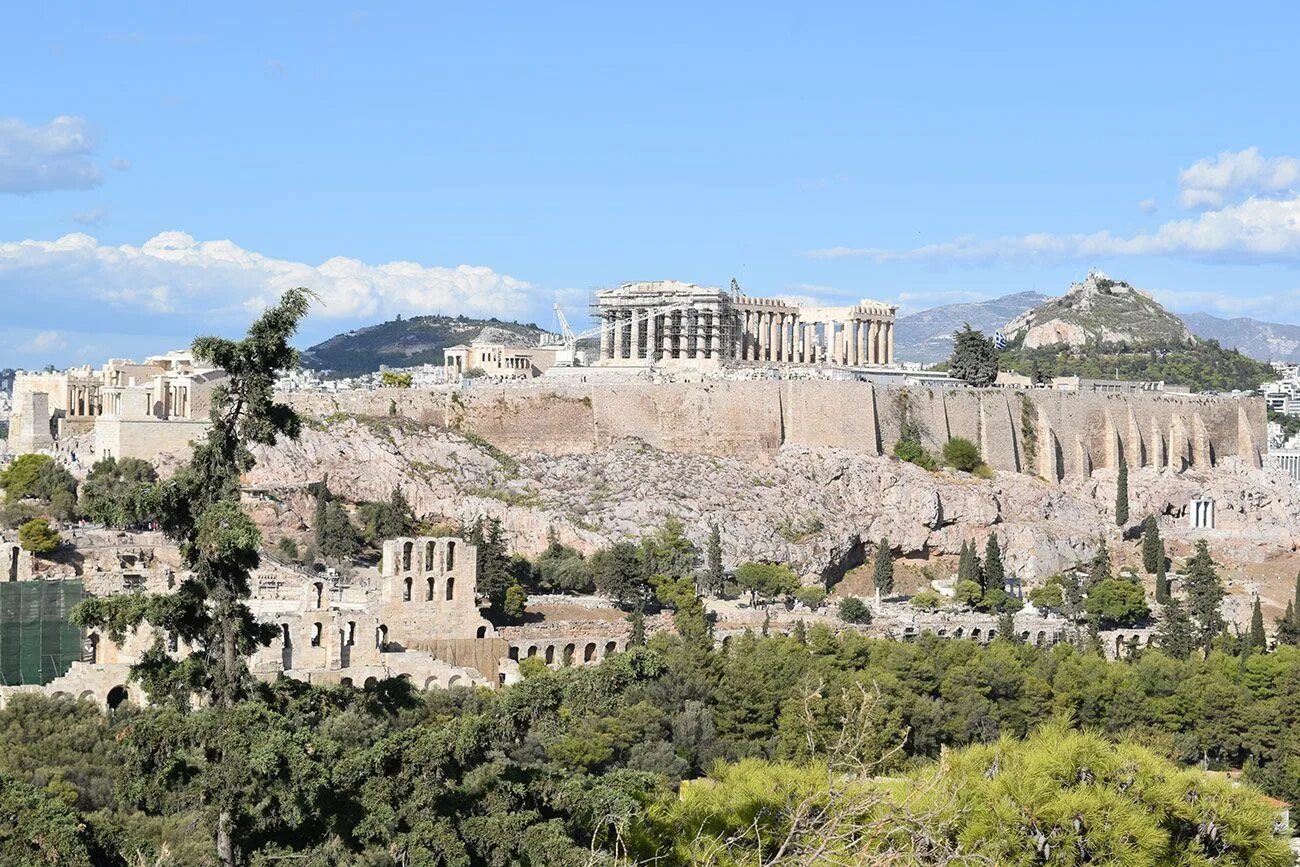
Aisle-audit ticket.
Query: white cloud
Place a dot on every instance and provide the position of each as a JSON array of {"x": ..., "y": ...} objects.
[
  {"x": 44, "y": 342},
  {"x": 56, "y": 156},
  {"x": 1148, "y": 206},
  {"x": 173, "y": 272},
  {"x": 1260, "y": 227},
  {"x": 1234, "y": 174}
]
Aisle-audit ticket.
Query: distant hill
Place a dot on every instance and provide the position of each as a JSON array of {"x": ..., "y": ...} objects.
[
  {"x": 1098, "y": 310},
  {"x": 1265, "y": 341},
  {"x": 927, "y": 336},
  {"x": 1108, "y": 329},
  {"x": 407, "y": 342}
]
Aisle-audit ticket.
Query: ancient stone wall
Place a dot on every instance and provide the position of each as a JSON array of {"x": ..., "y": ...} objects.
[{"x": 1048, "y": 433}]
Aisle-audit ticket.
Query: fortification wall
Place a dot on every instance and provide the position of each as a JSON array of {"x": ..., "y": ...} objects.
[{"x": 1049, "y": 433}]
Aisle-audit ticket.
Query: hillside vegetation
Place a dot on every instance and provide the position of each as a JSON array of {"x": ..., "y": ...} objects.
[
  {"x": 408, "y": 342},
  {"x": 1204, "y": 366}
]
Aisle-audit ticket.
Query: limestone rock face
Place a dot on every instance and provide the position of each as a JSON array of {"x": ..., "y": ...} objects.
[
  {"x": 1098, "y": 309},
  {"x": 815, "y": 508}
]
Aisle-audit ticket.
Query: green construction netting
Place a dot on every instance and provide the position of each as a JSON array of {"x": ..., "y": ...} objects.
[{"x": 38, "y": 641}]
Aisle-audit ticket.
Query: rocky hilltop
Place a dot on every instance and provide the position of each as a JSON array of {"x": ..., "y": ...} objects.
[
  {"x": 815, "y": 508},
  {"x": 408, "y": 342},
  {"x": 1098, "y": 310}
]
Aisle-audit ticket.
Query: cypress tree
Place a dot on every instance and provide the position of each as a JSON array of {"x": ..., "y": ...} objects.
[
  {"x": 1162, "y": 582},
  {"x": 1099, "y": 570},
  {"x": 1287, "y": 632},
  {"x": 1153, "y": 547},
  {"x": 1121, "y": 495},
  {"x": 1204, "y": 596},
  {"x": 1257, "y": 638},
  {"x": 994, "y": 574},
  {"x": 714, "y": 560},
  {"x": 965, "y": 567},
  {"x": 883, "y": 575}
]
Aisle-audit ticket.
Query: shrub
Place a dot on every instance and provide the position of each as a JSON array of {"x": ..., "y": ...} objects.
[
  {"x": 915, "y": 453},
  {"x": 926, "y": 600},
  {"x": 38, "y": 536},
  {"x": 812, "y": 597},
  {"x": 854, "y": 610},
  {"x": 962, "y": 454},
  {"x": 969, "y": 593},
  {"x": 983, "y": 471}
]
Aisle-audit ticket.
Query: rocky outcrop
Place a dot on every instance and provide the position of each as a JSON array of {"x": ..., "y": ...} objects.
[
  {"x": 1100, "y": 310},
  {"x": 815, "y": 508}
]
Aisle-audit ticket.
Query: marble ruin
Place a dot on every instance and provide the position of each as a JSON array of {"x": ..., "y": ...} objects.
[
  {"x": 132, "y": 409},
  {"x": 679, "y": 324}
]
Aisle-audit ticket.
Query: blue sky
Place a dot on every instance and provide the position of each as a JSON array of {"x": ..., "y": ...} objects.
[{"x": 164, "y": 169}]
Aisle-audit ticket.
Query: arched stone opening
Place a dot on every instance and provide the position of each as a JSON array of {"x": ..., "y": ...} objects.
[
  {"x": 481, "y": 633},
  {"x": 317, "y": 633},
  {"x": 88, "y": 695},
  {"x": 514, "y": 653},
  {"x": 611, "y": 647},
  {"x": 569, "y": 651},
  {"x": 589, "y": 652},
  {"x": 347, "y": 681},
  {"x": 117, "y": 696},
  {"x": 1042, "y": 638},
  {"x": 381, "y": 636},
  {"x": 550, "y": 654},
  {"x": 407, "y": 549},
  {"x": 532, "y": 650},
  {"x": 428, "y": 557},
  {"x": 430, "y": 682},
  {"x": 93, "y": 641},
  {"x": 451, "y": 586},
  {"x": 319, "y": 588},
  {"x": 428, "y": 595},
  {"x": 406, "y": 589},
  {"x": 451, "y": 555},
  {"x": 371, "y": 683},
  {"x": 454, "y": 680}
]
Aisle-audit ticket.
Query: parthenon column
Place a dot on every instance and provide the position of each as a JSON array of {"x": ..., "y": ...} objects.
[
  {"x": 651, "y": 336},
  {"x": 635, "y": 337},
  {"x": 667, "y": 335},
  {"x": 605, "y": 352},
  {"x": 715, "y": 347},
  {"x": 762, "y": 336},
  {"x": 772, "y": 334},
  {"x": 851, "y": 341},
  {"x": 791, "y": 324},
  {"x": 701, "y": 337}
]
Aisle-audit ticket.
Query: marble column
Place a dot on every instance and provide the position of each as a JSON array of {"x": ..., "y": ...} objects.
[
  {"x": 861, "y": 328},
  {"x": 851, "y": 342},
  {"x": 636, "y": 349},
  {"x": 781, "y": 322},
  {"x": 764, "y": 331},
  {"x": 791, "y": 325},
  {"x": 873, "y": 342},
  {"x": 889, "y": 343},
  {"x": 667, "y": 336},
  {"x": 651, "y": 337},
  {"x": 716, "y": 342},
  {"x": 605, "y": 352}
]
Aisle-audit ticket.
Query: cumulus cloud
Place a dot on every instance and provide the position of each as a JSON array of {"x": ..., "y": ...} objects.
[
  {"x": 56, "y": 156},
  {"x": 1208, "y": 183},
  {"x": 1259, "y": 227},
  {"x": 173, "y": 272}
]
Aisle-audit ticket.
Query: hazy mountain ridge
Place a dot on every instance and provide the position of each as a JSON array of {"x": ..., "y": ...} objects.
[{"x": 926, "y": 336}]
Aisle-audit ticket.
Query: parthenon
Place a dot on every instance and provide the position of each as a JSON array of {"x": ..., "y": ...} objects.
[{"x": 671, "y": 323}]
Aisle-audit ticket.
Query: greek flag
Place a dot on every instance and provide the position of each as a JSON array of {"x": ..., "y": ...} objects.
[{"x": 999, "y": 340}]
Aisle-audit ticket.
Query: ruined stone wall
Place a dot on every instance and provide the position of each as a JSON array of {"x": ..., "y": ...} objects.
[{"x": 1048, "y": 433}]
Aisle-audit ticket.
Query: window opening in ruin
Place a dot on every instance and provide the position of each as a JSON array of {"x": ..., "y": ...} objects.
[
  {"x": 451, "y": 556},
  {"x": 550, "y": 654},
  {"x": 116, "y": 697},
  {"x": 94, "y": 648},
  {"x": 320, "y": 594},
  {"x": 316, "y": 630},
  {"x": 284, "y": 634},
  {"x": 381, "y": 636},
  {"x": 428, "y": 558},
  {"x": 451, "y": 584},
  {"x": 482, "y": 632},
  {"x": 589, "y": 653},
  {"x": 406, "y": 590},
  {"x": 428, "y": 596},
  {"x": 406, "y": 556},
  {"x": 352, "y": 633}
]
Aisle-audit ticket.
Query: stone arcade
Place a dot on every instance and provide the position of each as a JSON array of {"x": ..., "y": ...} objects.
[{"x": 681, "y": 324}]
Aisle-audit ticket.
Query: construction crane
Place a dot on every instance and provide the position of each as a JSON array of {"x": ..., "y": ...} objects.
[{"x": 568, "y": 354}]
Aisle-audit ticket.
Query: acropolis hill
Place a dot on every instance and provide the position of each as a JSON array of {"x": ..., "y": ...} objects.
[{"x": 1050, "y": 434}]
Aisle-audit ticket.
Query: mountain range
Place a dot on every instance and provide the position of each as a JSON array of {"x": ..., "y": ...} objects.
[{"x": 926, "y": 336}]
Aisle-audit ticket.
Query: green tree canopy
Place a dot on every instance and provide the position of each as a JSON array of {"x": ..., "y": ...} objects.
[
  {"x": 974, "y": 358},
  {"x": 765, "y": 582},
  {"x": 38, "y": 537}
]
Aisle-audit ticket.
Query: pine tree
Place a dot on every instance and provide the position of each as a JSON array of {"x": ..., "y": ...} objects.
[
  {"x": 715, "y": 576},
  {"x": 994, "y": 574},
  {"x": 883, "y": 574},
  {"x": 1257, "y": 638},
  {"x": 1007, "y": 626},
  {"x": 199, "y": 509},
  {"x": 1121, "y": 495},
  {"x": 1177, "y": 633},
  {"x": 1153, "y": 547},
  {"x": 637, "y": 621},
  {"x": 974, "y": 357},
  {"x": 1204, "y": 596}
]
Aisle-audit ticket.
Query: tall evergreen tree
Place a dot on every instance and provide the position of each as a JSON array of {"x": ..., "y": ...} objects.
[
  {"x": 965, "y": 567},
  {"x": 1177, "y": 633},
  {"x": 974, "y": 357},
  {"x": 714, "y": 574},
  {"x": 1153, "y": 547},
  {"x": 1204, "y": 595},
  {"x": 1257, "y": 638},
  {"x": 1099, "y": 569},
  {"x": 199, "y": 508},
  {"x": 994, "y": 573},
  {"x": 883, "y": 573},
  {"x": 1121, "y": 494},
  {"x": 1288, "y": 628},
  {"x": 1162, "y": 582}
]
